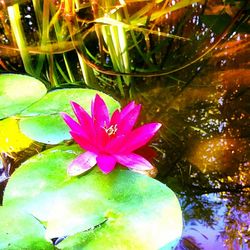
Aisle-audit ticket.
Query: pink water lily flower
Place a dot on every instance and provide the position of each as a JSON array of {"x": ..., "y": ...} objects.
[{"x": 108, "y": 140}]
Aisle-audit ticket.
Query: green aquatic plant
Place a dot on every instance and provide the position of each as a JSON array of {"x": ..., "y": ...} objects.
[
  {"x": 55, "y": 25},
  {"x": 90, "y": 211},
  {"x": 53, "y": 38},
  {"x": 53, "y": 208}
]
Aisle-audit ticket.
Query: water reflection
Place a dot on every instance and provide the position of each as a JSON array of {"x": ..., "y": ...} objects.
[
  {"x": 223, "y": 223},
  {"x": 204, "y": 149}
]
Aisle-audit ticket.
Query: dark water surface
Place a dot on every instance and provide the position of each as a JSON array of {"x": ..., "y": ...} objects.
[
  {"x": 204, "y": 106},
  {"x": 205, "y": 146}
]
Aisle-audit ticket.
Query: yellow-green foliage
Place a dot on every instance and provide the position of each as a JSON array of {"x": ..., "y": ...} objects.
[{"x": 11, "y": 139}]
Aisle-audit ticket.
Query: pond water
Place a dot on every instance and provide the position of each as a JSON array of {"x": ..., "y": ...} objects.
[
  {"x": 204, "y": 144},
  {"x": 205, "y": 147},
  {"x": 205, "y": 151}
]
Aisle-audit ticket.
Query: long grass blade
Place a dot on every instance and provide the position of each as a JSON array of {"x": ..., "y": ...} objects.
[{"x": 17, "y": 29}]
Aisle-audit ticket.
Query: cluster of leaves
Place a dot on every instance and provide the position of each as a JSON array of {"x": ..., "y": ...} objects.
[
  {"x": 128, "y": 37},
  {"x": 43, "y": 207},
  {"x": 37, "y": 111}
]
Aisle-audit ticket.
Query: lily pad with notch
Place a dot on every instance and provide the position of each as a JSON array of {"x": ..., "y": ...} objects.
[
  {"x": 95, "y": 210},
  {"x": 20, "y": 230},
  {"x": 42, "y": 122},
  {"x": 18, "y": 92}
]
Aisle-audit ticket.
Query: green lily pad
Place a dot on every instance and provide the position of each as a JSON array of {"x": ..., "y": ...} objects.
[
  {"x": 17, "y": 92},
  {"x": 40, "y": 178},
  {"x": 95, "y": 211},
  {"x": 110, "y": 235},
  {"x": 20, "y": 230},
  {"x": 42, "y": 122},
  {"x": 49, "y": 129},
  {"x": 59, "y": 99}
]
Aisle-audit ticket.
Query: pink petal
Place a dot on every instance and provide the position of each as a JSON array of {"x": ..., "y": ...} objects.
[
  {"x": 134, "y": 161},
  {"x": 106, "y": 163},
  {"x": 84, "y": 142},
  {"x": 128, "y": 121},
  {"x": 74, "y": 126},
  {"x": 102, "y": 137},
  {"x": 115, "y": 117},
  {"x": 127, "y": 109},
  {"x": 84, "y": 119},
  {"x": 139, "y": 137},
  {"x": 100, "y": 113},
  {"x": 82, "y": 163},
  {"x": 115, "y": 144},
  {"x": 119, "y": 115}
]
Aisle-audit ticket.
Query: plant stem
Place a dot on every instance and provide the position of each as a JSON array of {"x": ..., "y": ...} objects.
[
  {"x": 72, "y": 24},
  {"x": 16, "y": 26}
]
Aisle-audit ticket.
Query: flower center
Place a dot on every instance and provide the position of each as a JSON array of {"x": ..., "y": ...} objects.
[{"x": 111, "y": 130}]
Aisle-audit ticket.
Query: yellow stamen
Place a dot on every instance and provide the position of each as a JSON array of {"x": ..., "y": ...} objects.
[{"x": 111, "y": 130}]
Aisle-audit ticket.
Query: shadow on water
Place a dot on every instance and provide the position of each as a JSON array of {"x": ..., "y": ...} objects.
[{"x": 204, "y": 146}]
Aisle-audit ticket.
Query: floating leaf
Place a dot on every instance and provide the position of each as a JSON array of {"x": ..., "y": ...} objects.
[
  {"x": 20, "y": 230},
  {"x": 40, "y": 178},
  {"x": 95, "y": 210},
  {"x": 47, "y": 129},
  {"x": 42, "y": 121},
  {"x": 55, "y": 100},
  {"x": 17, "y": 92},
  {"x": 11, "y": 139}
]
